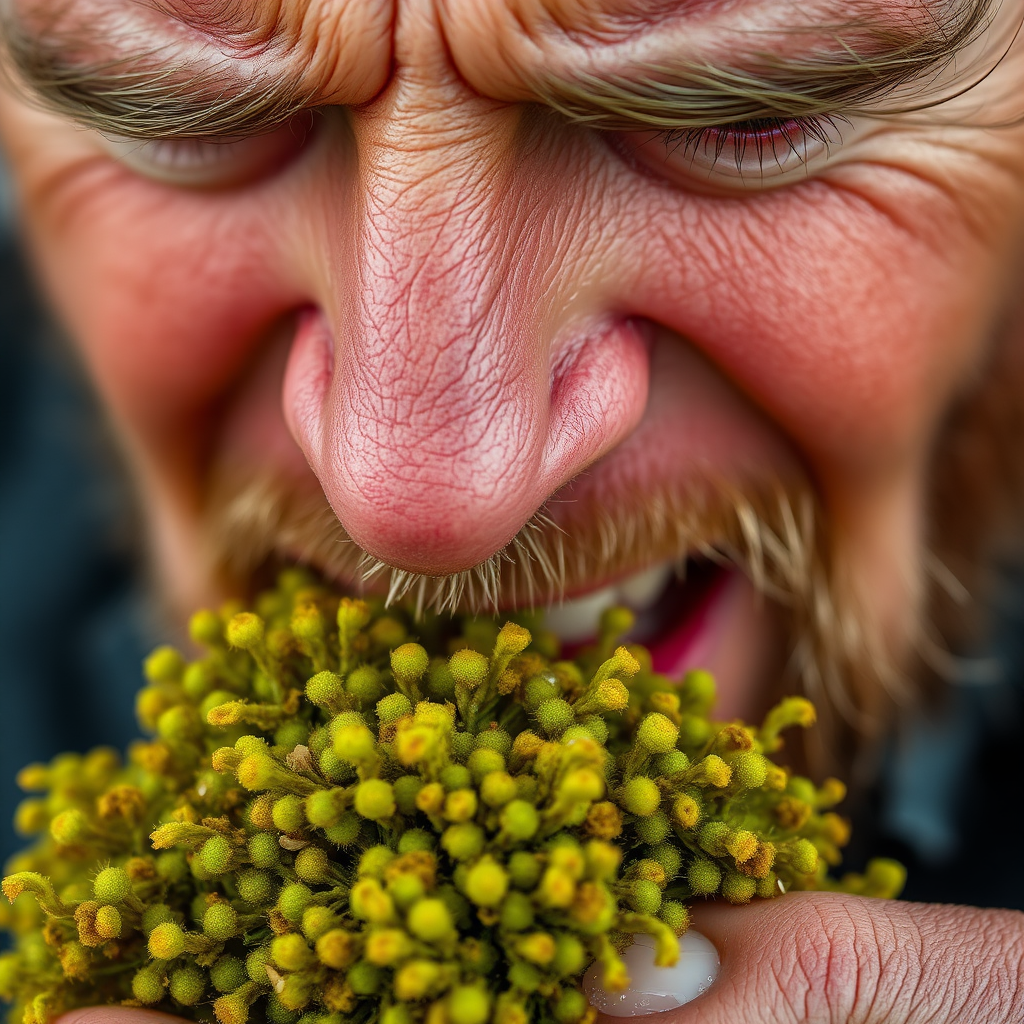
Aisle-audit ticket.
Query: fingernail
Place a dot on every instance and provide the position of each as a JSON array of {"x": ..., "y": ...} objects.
[{"x": 654, "y": 989}]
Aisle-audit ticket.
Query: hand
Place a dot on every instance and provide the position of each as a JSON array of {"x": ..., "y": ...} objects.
[{"x": 824, "y": 958}]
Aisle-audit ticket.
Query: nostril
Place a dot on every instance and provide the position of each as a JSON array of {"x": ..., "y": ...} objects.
[
  {"x": 599, "y": 389},
  {"x": 307, "y": 380}
]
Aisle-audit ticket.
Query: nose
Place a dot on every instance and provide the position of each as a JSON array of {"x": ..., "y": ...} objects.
[{"x": 454, "y": 379}]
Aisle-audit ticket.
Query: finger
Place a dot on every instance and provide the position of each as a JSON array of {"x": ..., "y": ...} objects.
[
  {"x": 826, "y": 958},
  {"x": 116, "y": 1015}
]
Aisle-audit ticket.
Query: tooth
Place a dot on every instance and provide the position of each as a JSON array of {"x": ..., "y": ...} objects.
[
  {"x": 576, "y": 620},
  {"x": 643, "y": 589}
]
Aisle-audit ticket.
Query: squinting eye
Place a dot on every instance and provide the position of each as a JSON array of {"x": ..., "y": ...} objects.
[
  {"x": 212, "y": 163},
  {"x": 749, "y": 154}
]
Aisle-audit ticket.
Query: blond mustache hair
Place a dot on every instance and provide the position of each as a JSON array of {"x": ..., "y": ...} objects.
[{"x": 775, "y": 535}]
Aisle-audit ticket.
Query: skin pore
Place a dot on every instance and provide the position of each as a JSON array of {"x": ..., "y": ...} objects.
[{"x": 419, "y": 275}]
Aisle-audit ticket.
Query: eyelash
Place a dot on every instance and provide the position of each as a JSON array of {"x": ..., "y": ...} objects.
[{"x": 773, "y": 137}]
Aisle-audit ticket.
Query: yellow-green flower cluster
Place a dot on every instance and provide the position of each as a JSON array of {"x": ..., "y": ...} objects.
[{"x": 333, "y": 821}]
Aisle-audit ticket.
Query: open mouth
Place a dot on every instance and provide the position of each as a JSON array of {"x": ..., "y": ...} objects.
[{"x": 674, "y": 609}]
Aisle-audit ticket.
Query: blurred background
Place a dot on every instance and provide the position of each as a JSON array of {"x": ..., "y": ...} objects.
[{"x": 75, "y": 622}]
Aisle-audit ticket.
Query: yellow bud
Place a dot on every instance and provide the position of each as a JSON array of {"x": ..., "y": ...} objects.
[
  {"x": 336, "y": 949},
  {"x": 416, "y": 979},
  {"x": 460, "y": 805},
  {"x": 486, "y": 882},
  {"x": 430, "y": 799},
  {"x": 370, "y": 902},
  {"x": 557, "y": 888},
  {"x": 430, "y": 920},
  {"x": 538, "y": 948},
  {"x": 386, "y": 947},
  {"x": 245, "y": 631}
]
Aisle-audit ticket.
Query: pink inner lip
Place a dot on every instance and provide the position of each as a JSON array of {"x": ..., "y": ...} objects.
[{"x": 682, "y": 647}]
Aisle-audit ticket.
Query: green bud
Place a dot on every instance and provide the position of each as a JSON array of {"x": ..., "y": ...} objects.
[
  {"x": 456, "y": 776},
  {"x": 737, "y": 888},
  {"x": 220, "y": 921},
  {"x": 164, "y": 665},
  {"x": 405, "y": 789},
  {"x": 487, "y": 882},
  {"x": 469, "y": 1004},
  {"x": 187, "y": 986},
  {"x": 669, "y": 857},
  {"x": 468, "y": 668},
  {"x": 483, "y": 761},
  {"x": 312, "y": 865},
  {"x": 464, "y": 841},
  {"x": 148, "y": 984},
  {"x": 215, "y": 855},
  {"x": 345, "y": 831},
  {"x": 392, "y": 707},
  {"x": 326, "y": 690},
  {"x": 290, "y": 813},
  {"x": 520, "y": 820},
  {"x": 409, "y": 663},
  {"x": 675, "y": 915},
  {"x": 516, "y": 912},
  {"x": 524, "y": 869},
  {"x": 156, "y": 914},
  {"x": 291, "y": 952},
  {"x": 654, "y": 828},
  {"x": 416, "y": 839},
  {"x": 245, "y": 631},
  {"x": 227, "y": 974},
  {"x": 375, "y": 799},
  {"x": 497, "y": 789},
  {"x": 264, "y": 850},
  {"x": 570, "y": 1007},
  {"x": 364, "y": 978},
  {"x": 644, "y": 896},
  {"x": 640, "y": 796},
  {"x": 657, "y": 734},
  {"x": 293, "y": 900},
  {"x": 374, "y": 861},
  {"x": 112, "y": 885},
  {"x": 554, "y": 716},
  {"x": 704, "y": 877},
  {"x": 364, "y": 684},
  {"x": 206, "y": 628},
  {"x": 430, "y": 920},
  {"x": 325, "y": 807}
]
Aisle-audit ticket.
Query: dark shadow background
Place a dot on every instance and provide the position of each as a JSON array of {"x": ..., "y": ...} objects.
[{"x": 75, "y": 623}]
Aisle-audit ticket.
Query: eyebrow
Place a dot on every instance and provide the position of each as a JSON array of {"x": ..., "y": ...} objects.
[
  {"x": 864, "y": 67},
  {"x": 154, "y": 94}
]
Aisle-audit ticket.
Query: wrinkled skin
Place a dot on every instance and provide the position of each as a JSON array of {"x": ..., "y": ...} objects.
[{"x": 446, "y": 304}]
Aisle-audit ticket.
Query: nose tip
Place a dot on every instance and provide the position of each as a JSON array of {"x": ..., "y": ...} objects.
[{"x": 435, "y": 450}]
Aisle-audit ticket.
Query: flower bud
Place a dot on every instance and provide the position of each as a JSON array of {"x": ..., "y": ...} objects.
[
  {"x": 802, "y": 855},
  {"x": 364, "y": 684},
  {"x": 640, "y": 796},
  {"x": 704, "y": 876},
  {"x": 220, "y": 921},
  {"x": 187, "y": 986},
  {"x": 313, "y": 866},
  {"x": 290, "y": 952},
  {"x": 392, "y": 707},
  {"x": 108, "y": 922},
  {"x": 336, "y": 949},
  {"x": 519, "y": 820},
  {"x": 460, "y": 805},
  {"x": 570, "y": 1007},
  {"x": 289, "y": 814},
  {"x": 644, "y": 896},
  {"x": 463, "y": 841},
  {"x": 245, "y": 631},
  {"x": 324, "y": 807},
  {"x": 738, "y": 888},
  {"x": 370, "y": 902},
  {"x": 326, "y": 690},
  {"x": 227, "y": 974},
  {"x": 749, "y": 770},
  {"x": 215, "y": 855},
  {"x": 264, "y": 851},
  {"x": 487, "y": 882},
  {"x": 148, "y": 984},
  {"x": 536, "y": 948},
  {"x": 468, "y": 1004},
  {"x": 657, "y": 734},
  {"x": 292, "y": 901},
  {"x": 163, "y": 665},
  {"x": 416, "y": 979},
  {"x": 409, "y": 663},
  {"x": 554, "y": 716},
  {"x": 166, "y": 941},
  {"x": 497, "y": 789},
  {"x": 112, "y": 885},
  {"x": 375, "y": 799}
]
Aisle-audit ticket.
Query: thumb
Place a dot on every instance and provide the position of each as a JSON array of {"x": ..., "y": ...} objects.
[{"x": 828, "y": 958}]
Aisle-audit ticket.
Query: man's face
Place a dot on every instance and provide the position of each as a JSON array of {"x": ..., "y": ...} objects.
[{"x": 605, "y": 285}]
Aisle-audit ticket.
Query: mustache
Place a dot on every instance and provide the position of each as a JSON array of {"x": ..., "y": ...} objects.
[{"x": 777, "y": 535}]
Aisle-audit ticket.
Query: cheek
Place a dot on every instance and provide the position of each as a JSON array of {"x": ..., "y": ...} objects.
[
  {"x": 839, "y": 321},
  {"x": 166, "y": 291}
]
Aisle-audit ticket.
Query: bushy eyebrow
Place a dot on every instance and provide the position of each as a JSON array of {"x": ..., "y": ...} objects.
[
  {"x": 155, "y": 94},
  {"x": 158, "y": 95},
  {"x": 864, "y": 70}
]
